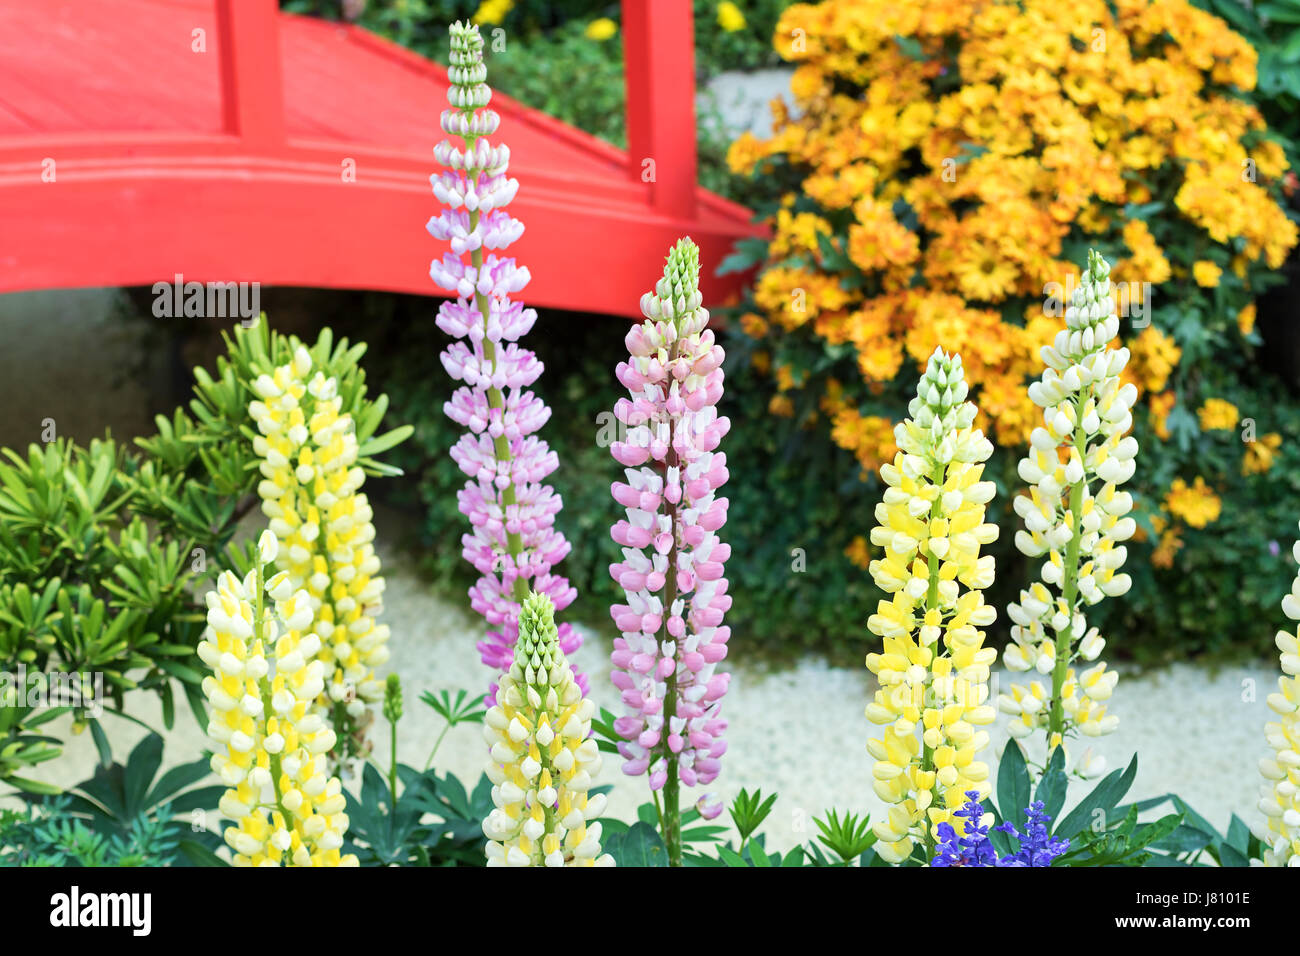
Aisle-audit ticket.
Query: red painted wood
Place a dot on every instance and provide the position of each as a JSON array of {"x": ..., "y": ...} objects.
[
  {"x": 252, "y": 89},
  {"x": 156, "y": 171},
  {"x": 659, "y": 71}
]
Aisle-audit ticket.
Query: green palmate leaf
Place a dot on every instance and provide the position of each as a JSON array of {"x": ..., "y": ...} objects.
[
  {"x": 640, "y": 845},
  {"x": 1184, "y": 839},
  {"x": 1104, "y": 797},
  {"x": 102, "y": 745},
  {"x": 748, "y": 811},
  {"x": 1013, "y": 783},
  {"x": 1239, "y": 836},
  {"x": 1051, "y": 789},
  {"x": 1230, "y": 856},
  {"x": 141, "y": 768},
  {"x": 730, "y": 857}
]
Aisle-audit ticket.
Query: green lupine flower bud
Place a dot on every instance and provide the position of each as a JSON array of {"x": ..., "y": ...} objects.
[{"x": 393, "y": 699}]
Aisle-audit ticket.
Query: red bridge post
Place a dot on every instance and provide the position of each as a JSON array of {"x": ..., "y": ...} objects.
[
  {"x": 659, "y": 72},
  {"x": 252, "y": 87}
]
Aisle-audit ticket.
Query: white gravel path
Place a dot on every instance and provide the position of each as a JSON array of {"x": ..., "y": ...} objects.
[{"x": 799, "y": 732}]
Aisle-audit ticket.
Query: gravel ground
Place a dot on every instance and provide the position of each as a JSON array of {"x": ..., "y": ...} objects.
[{"x": 799, "y": 732}]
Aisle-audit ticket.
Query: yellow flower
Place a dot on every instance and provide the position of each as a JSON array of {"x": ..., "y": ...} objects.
[
  {"x": 729, "y": 17},
  {"x": 969, "y": 168},
  {"x": 858, "y": 553},
  {"x": 1206, "y": 273},
  {"x": 602, "y": 29},
  {"x": 932, "y": 669},
  {"x": 1217, "y": 415},
  {"x": 270, "y": 745},
  {"x": 542, "y": 757},
  {"x": 1195, "y": 504},
  {"x": 1154, "y": 357},
  {"x": 781, "y": 406},
  {"x": 1260, "y": 454},
  {"x": 1246, "y": 319},
  {"x": 1163, "y": 555},
  {"x": 1161, "y": 405},
  {"x": 311, "y": 492},
  {"x": 492, "y": 11}
]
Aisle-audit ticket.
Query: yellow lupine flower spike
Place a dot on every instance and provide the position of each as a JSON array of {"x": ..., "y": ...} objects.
[
  {"x": 933, "y": 668},
  {"x": 310, "y": 491},
  {"x": 271, "y": 745},
  {"x": 542, "y": 755}
]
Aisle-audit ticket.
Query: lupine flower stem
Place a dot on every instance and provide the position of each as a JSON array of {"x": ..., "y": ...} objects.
[
  {"x": 1069, "y": 591},
  {"x": 672, "y": 826},
  {"x": 496, "y": 402},
  {"x": 932, "y": 603},
  {"x": 264, "y": 685}
]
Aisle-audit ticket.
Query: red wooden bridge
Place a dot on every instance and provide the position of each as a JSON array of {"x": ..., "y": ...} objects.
[{"x": 226, "y": 141}]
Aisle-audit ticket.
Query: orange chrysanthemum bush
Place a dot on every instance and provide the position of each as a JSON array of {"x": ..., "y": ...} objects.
[{"x": 939, "y": 167}]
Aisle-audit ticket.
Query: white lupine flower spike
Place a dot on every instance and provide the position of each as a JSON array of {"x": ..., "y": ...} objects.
[
  {"x": 1076, "y": 521},
  {"x": 1280, "y": 793}
]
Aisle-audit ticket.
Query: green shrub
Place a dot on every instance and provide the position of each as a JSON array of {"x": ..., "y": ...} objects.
[{"x": 106, "y": 551}]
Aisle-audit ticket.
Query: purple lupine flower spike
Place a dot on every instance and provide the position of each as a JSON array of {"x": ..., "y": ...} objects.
[
  {"x": 513, "y": 543},
  {"x": 672, "y": 635}
]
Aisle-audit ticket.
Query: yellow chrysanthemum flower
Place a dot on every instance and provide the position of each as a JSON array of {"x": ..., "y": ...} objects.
[
  {"x": 1206, "y": 273},
  {"x": 1260, "y": 454},
  {"x": 1196, "y": 504},
  {"x": 492, "y": 12},
  {"x": 1216, "y": 414}
]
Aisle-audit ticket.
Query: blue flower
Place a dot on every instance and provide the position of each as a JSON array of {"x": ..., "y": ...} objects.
[
  {"x": 1037, "y": 848},
  {"x": 973, "y": 848}
]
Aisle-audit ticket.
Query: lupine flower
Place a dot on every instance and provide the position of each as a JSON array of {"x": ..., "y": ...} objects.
[
  {"x": 513, "y": 544},
  {"x": 671, "y": 633},
  {"x": 310, "y": 491},
  {"x": 933, "y": 670},
  {"x": 1280, "y": 794},
  {"x": 271, "y": 745},
  {"x": 1077, "y": 532},
  {"x": 543, "y": 757},
  {"x": 973, "y": 848}
]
